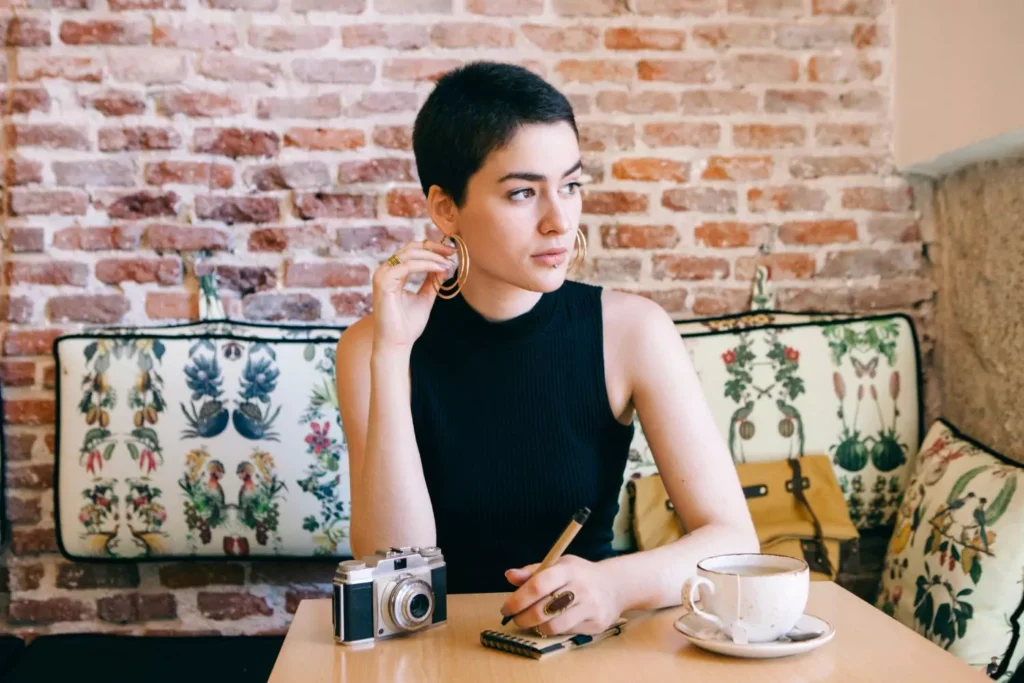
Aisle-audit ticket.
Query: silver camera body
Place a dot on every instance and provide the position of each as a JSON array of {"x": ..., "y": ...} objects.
[{"x": 392, "y": 592}]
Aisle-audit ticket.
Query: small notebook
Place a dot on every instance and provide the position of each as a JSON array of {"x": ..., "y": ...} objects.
[{"x": 527, "y": 644}]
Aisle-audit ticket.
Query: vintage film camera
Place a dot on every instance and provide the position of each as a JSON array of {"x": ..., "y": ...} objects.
[{"x": 392, "y": 592}]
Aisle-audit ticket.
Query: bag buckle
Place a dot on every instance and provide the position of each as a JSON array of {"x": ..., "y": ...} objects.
[{"x": 805, "y": 483}]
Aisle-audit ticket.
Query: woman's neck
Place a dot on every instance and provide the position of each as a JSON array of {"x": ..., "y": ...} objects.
[{"x": 496, "y": 300}]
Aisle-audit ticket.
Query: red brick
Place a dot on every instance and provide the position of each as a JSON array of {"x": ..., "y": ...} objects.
[
  {"x": 30, "y": 411},
  {"x": 24, "y": 100},
  {"x": 47, "y": 135},
  {"x": 562, "y": 38},
  {"x": 622, "y": 236},
  {"x": 244, "y": 5},
  {"x": 334, "y": 70},
  {"x": 895, "y": 293},
  {"x": 231, "y": 605},
  {"x": 609, "y": 203},
  {"x": 589, "y": 8},
  {"x": 244, "y": 279},
  {"x": 472, "y": 35},
  {"x": 595, "y": 71},
  {"x": 25, "y": 31},
  {"x": 88, "y": 308},
  {"x": 49, "y": 376},
  {"x": 682, "y": 134},
  {"x": 703, "y": 199},
  {"x": 118, "y": 237},
  {"x": 600, "y": 137},
  {"x": 221, "y": 66},
  {"x": 198, "y": 104},
  {"x": 869, "y": 262},
  {"x": 288, "y": 38},
  {"x": 612, "y": 269},
  {"x": 714, "y": 102},
  {"x": 22, "y": 171},
  {"x": 820, "y": 167},
  {"x": 335, "y": 205},
  {"x": 676, "y": 8},
  {"x": 196, "y": 574},
  {"x": 95, "y": 172},
  {"x": 181, "y": 238},
  {"x": 644, "y": 39},
  {"x": 849, "y": 134},
  {"x": 684, "y": 267},
  {"x": 406, "y": 7},
  {"x": 505, "y": 8},
  {"x": 294, "y": 175},
  {"x": 112, "y": 102},
  {"x": 738, "y": 168},
  {"x": 691, "y": 71},
  {"x": 803, "y": 101},
  {"x": 651, "y": 169},
  {"x": 781, "y": 266},
  {"x": 843, "y": 69},
  {"x": 748, "y": 69},
  {"x": 48, "y": 273},
  {"x": 24, "y": 510},
  {"x": 863, "y": 99},
  {"x": 25, "y": 240},
  {"x": 328, "y": 274},
  {"x": 123, "y": 5},
  {"x": 672, "y": 300},
  {"x": 292, "y": 598},
  {"x": 418, "y": 69},
  {"x": 786, "y": 198},
  {"x": 376, "y": 103},
  {"x": 391, "y": 36},
  {"x": 730, "y": 36},
  {"x": 894, "y": 228},
  {"x": 30, "y": 342},
  {"x": 18, "y": 447},
  {"x": 339, "y": 6},
  {"x": 172, "y": 305},
  {"x": 25, "y": 577},
  {"x": 138, "y": 138},
  {"x": 376, "y": 171},
  {"x": 231, "y": 210},
  {"x": 818, "y": 232},
  {"x": 649, "y": 102},
  {"x": 90, "y": 576},
  {"x": 716, "y": 302},
  {"x": 830, "y": 36},
  {"x": 351, "y": 304},
  {"x": 26, "y": 202},
  {"x": 277, "y": 239},
  {"x": 154, "y": 67},
  {"x": 327, "y": 106},
  {"x": 105, "y": 32},
  {"x": 16, "y": 309},
  {"x": 321, "y": 139},
  {"x": 235, "y": 142},
  {"x": 17, "y": 373},
  {"x": 134, "y": 205},
  {"x": 213, "y": 176},
  {"x": 35, "y": 67},
  {"x": 165, "y": 271},
  {"x": 860, "y": 8},
  {"x": 730, "y": 234},
  {"x": 767, "y": 8},
  {"x": 878, "y": 198},
  {"x": 273, "y": 307},
  {"x": 48, "y": 610},
  {"x": 765, "y": 136},
  {"x": 195, "y": 35},
  {"x": 407, "y": 203}
]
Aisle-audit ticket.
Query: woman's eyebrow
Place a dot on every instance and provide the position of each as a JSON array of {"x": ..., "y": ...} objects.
[{"x": 536, "y": 177}]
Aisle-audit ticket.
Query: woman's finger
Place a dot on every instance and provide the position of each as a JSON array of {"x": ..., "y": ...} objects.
[
  {"x": 399, "y": 273},
  {"x": 423, "y": 254}
]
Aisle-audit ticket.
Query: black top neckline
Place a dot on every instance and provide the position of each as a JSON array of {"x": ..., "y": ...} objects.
[{"x": 472, "y": 325}]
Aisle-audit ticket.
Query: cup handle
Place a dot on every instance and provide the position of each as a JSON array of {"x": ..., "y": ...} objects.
[{"x": 690, "y": 599}]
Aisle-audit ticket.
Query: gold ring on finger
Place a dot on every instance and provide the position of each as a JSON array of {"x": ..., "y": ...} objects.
[
  {"x": 559, "y": 603},
  {"x": 536, "y": 629},
  {"x": 393, "y": 260}
]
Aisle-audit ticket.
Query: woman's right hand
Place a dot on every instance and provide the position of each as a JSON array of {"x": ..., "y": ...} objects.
[{"x": 400, "y": 316}]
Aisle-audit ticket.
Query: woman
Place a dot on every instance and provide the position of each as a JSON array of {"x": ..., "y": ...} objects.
[{"x": 481, "y": 423}]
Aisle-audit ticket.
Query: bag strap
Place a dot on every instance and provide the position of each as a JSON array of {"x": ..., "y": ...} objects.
[{"x": 797, "y": 485}]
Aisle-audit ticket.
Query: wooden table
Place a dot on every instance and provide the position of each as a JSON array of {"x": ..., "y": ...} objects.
[{"x": 868, "y": 646}]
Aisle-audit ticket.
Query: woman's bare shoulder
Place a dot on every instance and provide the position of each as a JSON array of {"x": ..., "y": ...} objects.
[{"x": 630, "y": 314}]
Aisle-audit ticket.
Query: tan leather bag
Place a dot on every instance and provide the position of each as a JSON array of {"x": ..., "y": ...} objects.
[{"x": 809, "y": 521}]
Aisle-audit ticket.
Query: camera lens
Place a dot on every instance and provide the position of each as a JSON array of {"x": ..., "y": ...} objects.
[
  {"x": 418, "y": 606},
  {"x": 411, "y": 604}
]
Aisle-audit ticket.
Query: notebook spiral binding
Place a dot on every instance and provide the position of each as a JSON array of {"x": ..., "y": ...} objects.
[{"x": 508, "y": 643}]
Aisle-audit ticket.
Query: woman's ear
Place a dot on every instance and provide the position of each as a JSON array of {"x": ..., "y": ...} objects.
[{"x": 442, "y": 210}]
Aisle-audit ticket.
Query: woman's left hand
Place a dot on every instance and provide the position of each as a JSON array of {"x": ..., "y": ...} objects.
[{"x": 595, "y": 601}]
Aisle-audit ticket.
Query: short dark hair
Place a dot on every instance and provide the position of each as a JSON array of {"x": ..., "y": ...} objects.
[{"x": 473, "y": 110}]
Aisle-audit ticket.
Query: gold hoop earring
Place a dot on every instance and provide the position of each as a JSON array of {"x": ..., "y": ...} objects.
[
  {"x": 581, "y": 251},
  {"x": 446, "y": 291}
]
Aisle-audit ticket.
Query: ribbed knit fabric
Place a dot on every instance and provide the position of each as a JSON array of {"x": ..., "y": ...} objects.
[{"x": 516, "y": 433}]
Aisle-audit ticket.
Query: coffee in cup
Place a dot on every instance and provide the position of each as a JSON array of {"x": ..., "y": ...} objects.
[{"x": 750, "y": 597}]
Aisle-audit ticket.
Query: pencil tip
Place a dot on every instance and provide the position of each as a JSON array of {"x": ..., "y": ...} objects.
[
  {"x": 505, "y": 620},
  {"x": 581, "y": 516}
]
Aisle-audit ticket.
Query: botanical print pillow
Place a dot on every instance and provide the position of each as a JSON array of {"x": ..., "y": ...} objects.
[{"x": 954, "y": 571}]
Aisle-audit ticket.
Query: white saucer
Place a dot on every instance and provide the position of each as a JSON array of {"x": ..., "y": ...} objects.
[{"x": 702, "y": 634}]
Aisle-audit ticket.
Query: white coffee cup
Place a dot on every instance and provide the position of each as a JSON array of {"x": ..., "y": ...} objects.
[{"x": 750, "y": 597}]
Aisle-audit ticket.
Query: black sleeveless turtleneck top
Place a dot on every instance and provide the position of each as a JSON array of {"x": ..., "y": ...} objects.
[{"x": 516, "y": 434}]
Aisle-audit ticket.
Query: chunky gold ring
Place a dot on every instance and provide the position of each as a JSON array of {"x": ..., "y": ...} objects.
[
  {"x": 536, "y": 629},
  {"x": 393, "y": 260},
  {"x": 559, "y": 603}
]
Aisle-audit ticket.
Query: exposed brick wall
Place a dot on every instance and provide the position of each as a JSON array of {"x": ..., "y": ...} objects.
[{"x": 720, "y": 134}]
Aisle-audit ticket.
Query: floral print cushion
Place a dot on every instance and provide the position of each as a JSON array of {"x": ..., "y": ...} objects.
[
  {"x": 954, "y": 570},
  {"x": 206, "y": 439},
  {"x": 783, "y": 385}
]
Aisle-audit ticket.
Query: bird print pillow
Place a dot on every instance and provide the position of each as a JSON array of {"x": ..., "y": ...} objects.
[
  {"x": 208, "y": 439},
  {"x": 954, "y": 570}
]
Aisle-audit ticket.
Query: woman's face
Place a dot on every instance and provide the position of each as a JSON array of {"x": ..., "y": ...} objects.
[{"x": 523, "y": 208}]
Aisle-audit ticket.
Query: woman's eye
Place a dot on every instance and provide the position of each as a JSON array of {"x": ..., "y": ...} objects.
[
  {"x": 573, "y": 187},
  {"x": 519, "y": 195}
]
